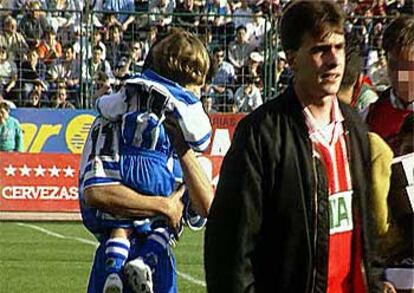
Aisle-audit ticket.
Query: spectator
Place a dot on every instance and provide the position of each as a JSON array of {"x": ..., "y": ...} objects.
[
  {"x": 29, "y": 74},
  {"x": 247, "y": 97},
  {"x": 242, "y": 15},
  {"x": 115, "y": 47},
  {"x": 123, "y": 11},
  {"x": 67, "y": 70},
  {"x": 62, "y": 16},
  {"x": 97, "y": 41},
  {"x": 239, "y": 50},
  {"x": 357, "y": 94},
  {"x": 59, "y": 100},
  {"x": 150, "y": 38},
  {"x": 186, "y": 15},
  {"x": 283, "y": 73},
  {"x": 33, "y": 23},
  {"x": 208, "y": 104},
  {"x": 121, "y": 70},
  {"x": 136, "y": 58},
  {"x": 378, "y": 73},
  {"x": 8, "y": 74},
  {"x": 11, "y": 135},
  {"x": 253, "y": 70},
  {"x": 81, "y": 44},
  {"x": 220, "y": 88},
  {"x": 161, "y": 13},
  {"x": 257, "y": 28},
  {"x": 96, "y": 64},
  {"x": 395, "y": 8},
  {"x": 386, "y": 116},
  {"x": 102, "y": 86},
  {"x": 49, "y": 49},
  {"x": 35, "y": 99},
  {"x": 218, "y": 12},
  {"x": 14, "y": 41}
]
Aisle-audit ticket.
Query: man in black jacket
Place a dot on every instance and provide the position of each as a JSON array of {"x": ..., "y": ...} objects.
[{"x": 298, "y": 170}]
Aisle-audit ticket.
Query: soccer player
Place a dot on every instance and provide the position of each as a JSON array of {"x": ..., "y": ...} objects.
[{"x": 144, "y": 161}]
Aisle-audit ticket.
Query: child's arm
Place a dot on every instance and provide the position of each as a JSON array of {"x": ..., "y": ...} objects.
[{"x": 195, "y": 125}]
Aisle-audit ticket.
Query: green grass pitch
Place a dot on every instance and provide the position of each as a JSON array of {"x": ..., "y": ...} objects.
[{"x": 56, "y": 257}]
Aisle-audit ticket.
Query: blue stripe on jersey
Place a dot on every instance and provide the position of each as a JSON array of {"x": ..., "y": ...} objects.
[
  {"x": 175, "y": 89},
  {"x": 99, "y": 181},
  {"x": 201, "y": 141}
]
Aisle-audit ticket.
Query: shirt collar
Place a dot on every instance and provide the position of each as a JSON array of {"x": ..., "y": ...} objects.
[
  {"x": 313, "y": 125},
  {"x": 396, "y": 102}
]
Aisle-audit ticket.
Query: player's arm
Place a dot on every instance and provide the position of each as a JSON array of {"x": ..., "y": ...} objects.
[
  {"x": 199, "y": 188},
  {"x": 123, "y": 201}
]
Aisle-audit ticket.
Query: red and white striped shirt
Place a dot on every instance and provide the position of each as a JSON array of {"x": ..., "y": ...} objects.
[{"x": 330, "y": 146}]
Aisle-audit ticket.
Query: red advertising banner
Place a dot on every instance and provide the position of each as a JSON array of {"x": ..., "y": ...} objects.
[
  {"x": 223, "y": 126},
  {"x": 49, "y": 182},
  {"x": 39, "y": 182}
]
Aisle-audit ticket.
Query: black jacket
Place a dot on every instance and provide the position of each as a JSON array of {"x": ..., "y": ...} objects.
[{"x": 268, "y": 182}]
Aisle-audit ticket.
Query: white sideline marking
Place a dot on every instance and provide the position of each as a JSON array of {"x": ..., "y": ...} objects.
[
  {"x": 94, "y": 243},
  {"x": 191, "y": 279},
  {"x": 50, "y": 233}
]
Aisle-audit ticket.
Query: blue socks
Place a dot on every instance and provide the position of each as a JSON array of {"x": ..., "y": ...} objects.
[{"x": 116, "y": 252}]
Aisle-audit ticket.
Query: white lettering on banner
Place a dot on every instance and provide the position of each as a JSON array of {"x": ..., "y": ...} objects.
[
  {"x": 221, "y": 142},
  {"x": 340, "y": 205},
  {"x": 40, "y": 192}
]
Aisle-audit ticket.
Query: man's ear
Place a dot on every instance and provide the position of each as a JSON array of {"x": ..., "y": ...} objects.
[{"x": 291, "y": 59}]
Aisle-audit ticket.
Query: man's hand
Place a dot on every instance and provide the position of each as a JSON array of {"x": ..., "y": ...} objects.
[
  {"x": 176, "y": 207},
  {"x": 388, "y": 288}
]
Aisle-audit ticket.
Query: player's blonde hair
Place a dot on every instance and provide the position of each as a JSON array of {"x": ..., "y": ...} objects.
[{"x": 181, "y": 57}]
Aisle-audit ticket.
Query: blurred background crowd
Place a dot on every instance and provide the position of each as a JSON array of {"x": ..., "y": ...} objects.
[{"x": 65, "y": 53}]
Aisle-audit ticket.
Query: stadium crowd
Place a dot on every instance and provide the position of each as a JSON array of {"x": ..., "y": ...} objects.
[{"x": 64, "y": 54}]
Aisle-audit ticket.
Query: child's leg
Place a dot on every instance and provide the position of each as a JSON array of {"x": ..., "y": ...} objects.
[
  {"x": 116, "y": 253},
  {"x": 153, "y": 264},
  {"x": 117, "y": 250}
]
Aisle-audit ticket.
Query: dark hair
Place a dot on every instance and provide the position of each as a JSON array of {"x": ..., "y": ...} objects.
[
  {"x": 353, "y": 63},
  {"x": 218, "y": 49},
  {"x": 399, "y": 34},
  {"x": 241, "y": 27},
  {"x": 313, "y": 17}
]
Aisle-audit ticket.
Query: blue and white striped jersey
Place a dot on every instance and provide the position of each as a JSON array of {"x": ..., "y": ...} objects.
[{"x": 186, "y": 108}]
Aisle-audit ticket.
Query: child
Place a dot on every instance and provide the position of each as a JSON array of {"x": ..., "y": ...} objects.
[{"x": 142, "y": 106}]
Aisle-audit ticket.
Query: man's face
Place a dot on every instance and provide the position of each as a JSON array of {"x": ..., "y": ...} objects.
[
  {"x": 115, "y": 35},
  {"x": 319, "y": 65},
  {"x": 401, "y": 73},
  {"x": 61, "y": 95},
  {"x": 219, "y": 57},
  {"x": 241, "y": 36},
  {"x": 136, "y": 51},
  {"x": 96, "y": 56},
  {"x": 68, "y": 54},
  {"x": 3, "y": 55}
]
